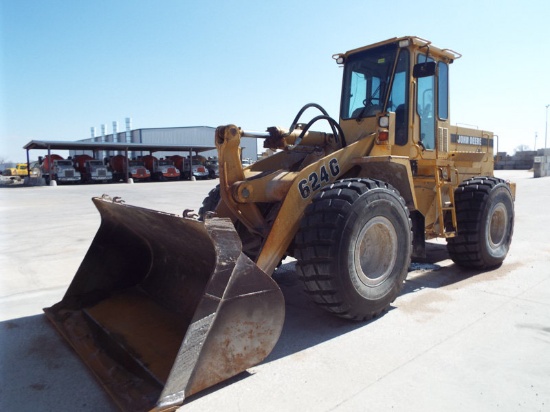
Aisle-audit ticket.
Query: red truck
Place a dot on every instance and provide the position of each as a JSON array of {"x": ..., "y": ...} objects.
[
  {"x": 197, "y": 167},
  {"x": 136, "y": 169},
  {"x": 163, "y": 169}
]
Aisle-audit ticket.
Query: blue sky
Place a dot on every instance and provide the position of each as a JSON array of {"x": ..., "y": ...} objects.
[{"x": 67, "y": 65}]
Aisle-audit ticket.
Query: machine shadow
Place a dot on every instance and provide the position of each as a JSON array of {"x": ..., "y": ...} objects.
[
  {"x": 39, "y": 371},
  {"x": 433, "y": 272},
  {"x": 307, "y": 325}
]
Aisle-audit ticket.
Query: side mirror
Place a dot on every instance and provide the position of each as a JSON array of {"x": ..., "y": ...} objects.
[{"x": 424, "y": 70}]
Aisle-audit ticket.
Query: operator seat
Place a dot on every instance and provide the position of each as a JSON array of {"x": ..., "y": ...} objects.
[{"x": 369, "y": 111}]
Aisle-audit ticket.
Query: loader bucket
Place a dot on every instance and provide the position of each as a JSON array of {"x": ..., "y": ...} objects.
[{"x": 163, "y": 307}]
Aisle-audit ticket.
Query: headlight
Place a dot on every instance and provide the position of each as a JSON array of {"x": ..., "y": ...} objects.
[{"x": 383, "y": 121}]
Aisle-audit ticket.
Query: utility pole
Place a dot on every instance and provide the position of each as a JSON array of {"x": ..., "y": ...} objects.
[{"x": 546, "y": 129}]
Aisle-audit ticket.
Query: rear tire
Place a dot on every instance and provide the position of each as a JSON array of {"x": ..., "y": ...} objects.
[
  {"x": 485, "y": 220},
  {"x": 353, "y": 248}
]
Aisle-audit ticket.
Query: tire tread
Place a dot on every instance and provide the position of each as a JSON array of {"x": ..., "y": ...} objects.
[
  {"x": 470, "y": 198},
  {"x": 315, "y": 243}
]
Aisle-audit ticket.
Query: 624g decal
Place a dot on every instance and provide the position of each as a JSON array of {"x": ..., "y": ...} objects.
[{"x": 316, "y": 180}]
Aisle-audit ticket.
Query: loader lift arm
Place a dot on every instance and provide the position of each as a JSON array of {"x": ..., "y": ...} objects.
[{"x": 310, "y": 160}]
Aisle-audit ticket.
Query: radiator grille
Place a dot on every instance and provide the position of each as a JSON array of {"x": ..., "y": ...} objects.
[{"x": 443, "y": 139}]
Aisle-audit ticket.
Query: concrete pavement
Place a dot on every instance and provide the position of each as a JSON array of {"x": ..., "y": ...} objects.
[{"x": 454, "y": 340}]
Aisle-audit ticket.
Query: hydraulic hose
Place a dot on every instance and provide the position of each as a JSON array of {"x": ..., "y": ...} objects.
[
  {"x": 336, "y": 129},
  {"x": 333, "y": 124}
]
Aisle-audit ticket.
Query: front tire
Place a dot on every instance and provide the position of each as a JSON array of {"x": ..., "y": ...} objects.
[
  {"x": 210, "y": 202},
  {"x": 485, "y": 220},
  {"x": 353, "y": 248}
]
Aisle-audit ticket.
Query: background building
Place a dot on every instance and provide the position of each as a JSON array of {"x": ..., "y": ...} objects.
[{"x": 193, "y": 136}]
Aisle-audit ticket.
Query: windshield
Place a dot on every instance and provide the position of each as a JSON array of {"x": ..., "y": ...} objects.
[
  {"x": 96, "y": 163},
  {"x": 166, "y": 163},
  {"x": 136, "y": 163},
  {"x": 367, "y": 81},
  {"x": 64, "y": 163}
]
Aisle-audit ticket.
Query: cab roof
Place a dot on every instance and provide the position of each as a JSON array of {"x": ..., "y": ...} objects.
[{"x": 413, "y": 42}]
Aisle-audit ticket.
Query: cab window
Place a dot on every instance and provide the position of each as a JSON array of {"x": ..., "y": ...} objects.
[
  {"x": 425, "y": 106},
  {"x": 443, "y": 90}
]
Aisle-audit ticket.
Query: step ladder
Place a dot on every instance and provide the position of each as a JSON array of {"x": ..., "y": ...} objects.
[{"x": 442, "y": 183}]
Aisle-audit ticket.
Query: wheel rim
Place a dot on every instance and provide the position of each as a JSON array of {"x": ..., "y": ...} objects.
[
  {"x": 498, "y": 224},
  {"x": 376, "y": 251}
]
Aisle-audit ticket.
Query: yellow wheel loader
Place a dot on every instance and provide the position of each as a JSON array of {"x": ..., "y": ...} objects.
[{"x": 164, "y": 306}]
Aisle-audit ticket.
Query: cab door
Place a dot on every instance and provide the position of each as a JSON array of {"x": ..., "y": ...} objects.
[
  {"x": 432, "y": 108},
  {"x": 425, "y": 107}
]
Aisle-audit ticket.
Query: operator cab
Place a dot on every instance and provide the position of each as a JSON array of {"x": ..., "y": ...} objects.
[{"x": 379, "y": 79}]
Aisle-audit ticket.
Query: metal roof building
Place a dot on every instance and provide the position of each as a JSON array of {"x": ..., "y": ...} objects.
[{"x": 196, "y": 139}]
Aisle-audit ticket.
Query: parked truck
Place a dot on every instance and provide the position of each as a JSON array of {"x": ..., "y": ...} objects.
[
  {"x": 161, "y": 169},
  {"x": 20, "y": 169},
  {"x": 213, "y": 168},
  {"x": 92, "y": 170},
  {"x": 55, "y": 168},
  {"x": 194, "y": 168},
  {"x": 136, "y": 169}
]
